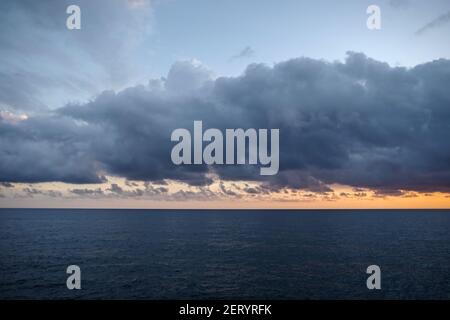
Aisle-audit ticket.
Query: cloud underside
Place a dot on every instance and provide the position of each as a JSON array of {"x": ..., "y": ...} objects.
[{"x": 360, "y": 123}]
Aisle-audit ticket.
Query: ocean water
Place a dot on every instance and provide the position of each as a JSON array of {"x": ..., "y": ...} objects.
[{"x": 155, "y": 254}]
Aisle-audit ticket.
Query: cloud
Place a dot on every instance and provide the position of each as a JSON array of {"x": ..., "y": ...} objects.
[
  {"x": 247, "y": 52},
  {"x": 31, "y": 192},
  {"x": 154, "y": 190},
  {"x": 87, "y": 192},
  {"x": 40, "y": 55},
  {"x": 436, "y": 23},
  {"x": 47, "y": 148},
  {"x": 388, "y": 192},
  {"x": 226, "y": 191},
  {"x": 6, "y": 184},
  {"x": 201, "y": 194},
  {"x": 360, "y": 123},
  {"x": 115, "y": 190},
  {"x": 187, "y": 76}
]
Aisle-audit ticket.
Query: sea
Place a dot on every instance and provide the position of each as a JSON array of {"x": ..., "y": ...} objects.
[{"x": 224, "y": 254}]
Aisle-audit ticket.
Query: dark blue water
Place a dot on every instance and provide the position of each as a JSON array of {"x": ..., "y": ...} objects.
[{"x": 224, "y": 254}]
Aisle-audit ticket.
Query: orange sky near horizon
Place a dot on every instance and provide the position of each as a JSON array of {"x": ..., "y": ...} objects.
[{"x": 184, "y": 197}]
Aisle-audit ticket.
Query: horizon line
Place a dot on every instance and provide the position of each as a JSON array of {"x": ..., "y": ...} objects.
[{"x": 230, "y": 209}]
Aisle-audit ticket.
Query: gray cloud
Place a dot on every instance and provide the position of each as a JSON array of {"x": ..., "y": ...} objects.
[
  {"x": 247, "y": 52},
  {"x": 360, "y": 123},
  {"x": 47, "y": 148},
  {"x": 6, "y": 184},
  {"x": 31, "y": 192},
  {"x": 187, "y": 76},
  {"x": 436, "y": 23},
  {"x": 115, "y": 190},
  {"x": 201, "y": 194},
  {"x": 87, "y": 192},
  {"x": 226, "y": 191},
  {"x": 389, "y": 192}
]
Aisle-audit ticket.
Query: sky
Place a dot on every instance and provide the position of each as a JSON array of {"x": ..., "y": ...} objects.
[{"x": 86, "y": 115}]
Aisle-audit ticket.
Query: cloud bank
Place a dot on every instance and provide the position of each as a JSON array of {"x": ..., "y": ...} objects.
[{"x": 360, "y": 123}]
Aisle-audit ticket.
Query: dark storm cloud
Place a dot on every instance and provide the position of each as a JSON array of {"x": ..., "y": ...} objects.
[
  {"x": 47, "y": 148},
  {"x": 360, "y": 123}
]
